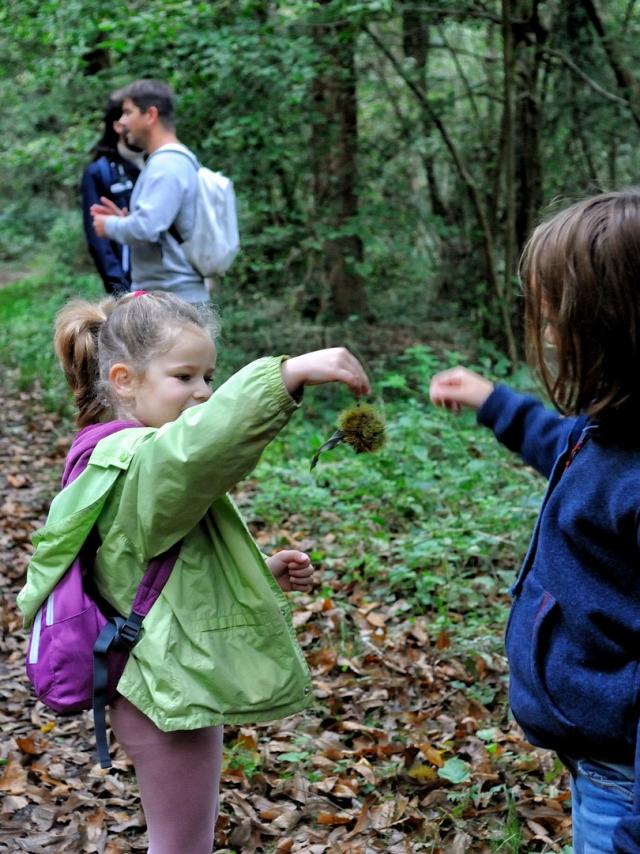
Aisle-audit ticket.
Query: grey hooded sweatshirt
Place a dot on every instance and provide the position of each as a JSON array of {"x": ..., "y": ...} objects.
[{"x": 164, "y": 195}]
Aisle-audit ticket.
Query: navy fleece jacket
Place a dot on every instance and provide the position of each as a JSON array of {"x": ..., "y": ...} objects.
[
  {"x": 573, "y": 637},
  {"x": 114, "y": 178}
]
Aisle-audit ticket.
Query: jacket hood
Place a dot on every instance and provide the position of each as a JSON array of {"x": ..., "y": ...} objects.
[{"x": 84, "y": 444}]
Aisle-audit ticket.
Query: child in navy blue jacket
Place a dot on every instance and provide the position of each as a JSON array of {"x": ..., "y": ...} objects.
[{"x": 573, "y": 638}]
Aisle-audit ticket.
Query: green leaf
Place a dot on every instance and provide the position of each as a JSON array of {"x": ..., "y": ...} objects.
[
  {"x": 455, "y": 771},
  {"x": 487, "y": 735},
  {"x": 302, "y": 756}
]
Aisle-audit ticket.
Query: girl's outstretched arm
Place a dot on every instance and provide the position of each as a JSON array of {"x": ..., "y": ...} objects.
[
  {"x": 335, "y": 364},
  {"x": 458, "y": 387},
  {"x": 179, "y": 471}
]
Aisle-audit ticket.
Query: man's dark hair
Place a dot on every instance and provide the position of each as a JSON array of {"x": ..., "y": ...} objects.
[{"x": 152, "y": 93}]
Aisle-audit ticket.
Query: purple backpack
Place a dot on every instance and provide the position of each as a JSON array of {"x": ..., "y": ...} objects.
[{"x": 78, "y": 646}]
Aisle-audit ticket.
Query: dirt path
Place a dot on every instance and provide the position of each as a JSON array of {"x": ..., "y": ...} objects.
[{"x": 7, "y": 277}]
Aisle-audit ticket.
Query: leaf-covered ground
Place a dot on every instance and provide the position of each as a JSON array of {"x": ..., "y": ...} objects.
[{"x": 408, "y": 747}]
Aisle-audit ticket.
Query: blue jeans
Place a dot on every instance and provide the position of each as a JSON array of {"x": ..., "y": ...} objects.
[{"x": 600, "y": 795}]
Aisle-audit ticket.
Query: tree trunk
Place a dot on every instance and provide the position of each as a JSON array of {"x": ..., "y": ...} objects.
[
  {"x": 528, "y": 162},
  {"x": 334, "y": 144},
  {"x": 508, "y": 90}
]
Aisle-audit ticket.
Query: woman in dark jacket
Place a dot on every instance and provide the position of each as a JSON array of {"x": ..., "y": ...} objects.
[{"x": 112, "y": 173}]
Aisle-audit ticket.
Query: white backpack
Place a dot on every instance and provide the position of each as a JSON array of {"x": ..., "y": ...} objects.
[{"x": 214, "y": 242}]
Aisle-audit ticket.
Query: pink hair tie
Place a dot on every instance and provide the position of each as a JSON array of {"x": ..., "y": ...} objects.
[{"x": 140, "y": 293}]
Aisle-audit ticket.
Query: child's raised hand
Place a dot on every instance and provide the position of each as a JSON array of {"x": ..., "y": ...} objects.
[
  {"x": 335, "y": 364},
  {"x": 458, "y": 387},
  {"x": 292, "y": 570}
]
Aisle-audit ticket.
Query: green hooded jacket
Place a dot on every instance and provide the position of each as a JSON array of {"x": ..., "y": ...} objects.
[{"x": 218, "y": 646}]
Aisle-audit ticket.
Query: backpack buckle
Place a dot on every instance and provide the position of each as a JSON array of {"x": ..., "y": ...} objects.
[{"x": 129, "y": 631}]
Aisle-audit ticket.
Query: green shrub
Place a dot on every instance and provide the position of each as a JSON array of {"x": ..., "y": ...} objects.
[{"x": 27, "y": 312}]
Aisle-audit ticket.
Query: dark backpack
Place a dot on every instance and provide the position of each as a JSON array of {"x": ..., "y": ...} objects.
[{"x": 78, "y": 646}]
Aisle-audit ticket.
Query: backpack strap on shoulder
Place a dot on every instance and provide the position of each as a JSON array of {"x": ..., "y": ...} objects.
[
  {"x": 104, "y": 166},
  {"x": 120, "y": 635},
  {"x": 178, "y": 149},
  {"x": 172, "y": 230}
]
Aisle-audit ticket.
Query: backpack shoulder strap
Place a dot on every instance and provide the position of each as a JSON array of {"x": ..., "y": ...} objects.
[
  {"x": 177, "y": 149},
  {"x": 104, "y": 167},
  {"x": 122, "y": 635}
]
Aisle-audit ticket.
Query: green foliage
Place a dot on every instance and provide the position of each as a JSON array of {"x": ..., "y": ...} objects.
[
  {"x": 245, "y": 74},
  {"x": 444, "y": 512},
  {"x": 243, "y": 757},
  {"x": 27, "y": 312},
  {"x": 22, "y": 229},
  {"x": 511, "y": 837}
]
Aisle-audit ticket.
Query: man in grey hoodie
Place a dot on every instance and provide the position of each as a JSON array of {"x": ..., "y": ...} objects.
[{"x": 163, "y": 200}]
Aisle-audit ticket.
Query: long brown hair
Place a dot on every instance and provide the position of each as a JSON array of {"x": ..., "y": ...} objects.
[{"x": 581, "y": 275}]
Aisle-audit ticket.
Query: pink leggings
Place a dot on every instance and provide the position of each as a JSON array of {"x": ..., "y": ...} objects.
[{"x": 178, "y": 776}]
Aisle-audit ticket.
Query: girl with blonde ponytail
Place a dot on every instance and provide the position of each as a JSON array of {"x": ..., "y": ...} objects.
[{"x": 218, "y": 645}]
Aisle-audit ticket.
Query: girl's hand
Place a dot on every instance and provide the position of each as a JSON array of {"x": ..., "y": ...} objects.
[
  {"x": 336, "y": 364},
  {"x": 459, "y": 387},
  {"x": 292, "y": 570}
]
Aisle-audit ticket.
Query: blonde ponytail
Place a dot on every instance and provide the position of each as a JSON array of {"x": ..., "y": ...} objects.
[{"x": 75, "y": 341}]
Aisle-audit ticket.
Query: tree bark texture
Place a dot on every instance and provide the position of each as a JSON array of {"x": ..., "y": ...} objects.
[
  {"x": 334, "y": 147},
  {"x": 527, "y": 39}
]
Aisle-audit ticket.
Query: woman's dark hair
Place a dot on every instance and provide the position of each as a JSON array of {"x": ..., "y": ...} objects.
[
  {"x": 581, "y": 275},
  {"x": 108, "y": 142}
]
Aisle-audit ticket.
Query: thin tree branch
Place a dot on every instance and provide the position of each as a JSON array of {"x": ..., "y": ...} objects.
[
  {"x": 483, "y": 14},
  {"x": 470, "y": 186},
  {"x": 478, "y": 13},
  {"x": 624, "y": 78},
  {"x": 584, "y": 76},
  {"x": 463, "y": 77}
]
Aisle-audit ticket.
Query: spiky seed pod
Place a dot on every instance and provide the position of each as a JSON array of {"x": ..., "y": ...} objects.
[
  {"x": 360, "y": 426},
  {"x": 363, "y": 428}
]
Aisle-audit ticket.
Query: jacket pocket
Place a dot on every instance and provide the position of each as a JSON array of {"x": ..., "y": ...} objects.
[
  {"x": 547, "y": 618},
  {"x": 564, "y": 692},
  {"x": 532, "y": 650},
  {"x": 239, "y": 664}
]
